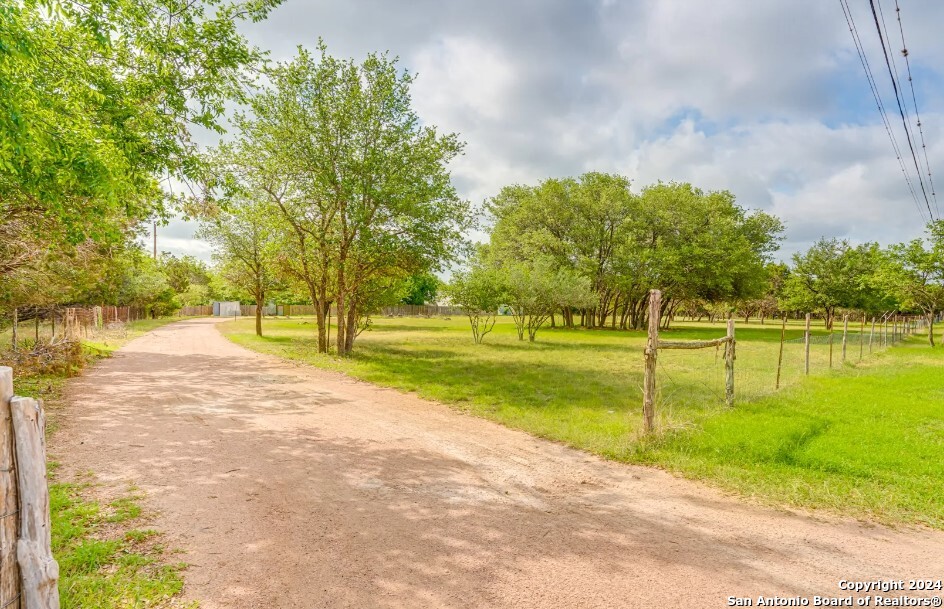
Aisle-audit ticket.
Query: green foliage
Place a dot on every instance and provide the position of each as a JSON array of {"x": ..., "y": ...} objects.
[
  {"x": 244, "y": 236},
  {"x": 97, "y": 103},
  {"x": 421, "y": 289},
  {"x": 479, "y": 292},
  {"x": 535, "y": 290},
  {"x": 689, "y": 243},
  {"x": 360, "y": 183},
  {"x": 913, "y": 274},
  {"x": 184, "y": 272},
  {"x": 832, "y": 275}
]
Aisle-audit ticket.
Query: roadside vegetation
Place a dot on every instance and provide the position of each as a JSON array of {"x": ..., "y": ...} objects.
[
  {"x": 107, "y": 556},
  {"x": 862, "y": 440}
]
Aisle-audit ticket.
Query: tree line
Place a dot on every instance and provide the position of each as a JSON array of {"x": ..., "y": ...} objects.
[
  {"x": 587, "y": 250},
  {"x": 98, "y": 101},
  {"x": 610, "y": 246}
]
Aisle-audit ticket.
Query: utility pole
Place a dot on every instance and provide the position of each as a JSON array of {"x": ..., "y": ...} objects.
[{"x": 154, "y": 231}]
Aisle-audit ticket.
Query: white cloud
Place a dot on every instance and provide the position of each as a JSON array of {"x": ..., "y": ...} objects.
[
  {"x": 461, "y": 76},
  {"x": 766, "y": 99}
]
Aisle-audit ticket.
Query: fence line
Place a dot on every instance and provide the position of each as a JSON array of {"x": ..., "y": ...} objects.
[
  {"x": 197, "y": 311},
  {"x": 784, "y": 357},
  {"x": 67, "y": 322},
  {"x": 300, "y": 310},
  {"x": 654, "y": 343},
  {"x": 421, "y": 311}
]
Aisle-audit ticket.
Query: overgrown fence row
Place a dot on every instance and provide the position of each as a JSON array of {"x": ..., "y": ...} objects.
[{"x": 51, "y": 323}]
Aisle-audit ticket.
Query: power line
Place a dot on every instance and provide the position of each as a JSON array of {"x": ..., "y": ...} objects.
[
  {"x": 860, "y": 49},
  {"x": 901, "y": 111},
  {"x": 914, "y": 99}
]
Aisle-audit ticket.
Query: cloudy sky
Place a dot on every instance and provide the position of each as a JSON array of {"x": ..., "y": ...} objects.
[{"x": 765, "y": 98}]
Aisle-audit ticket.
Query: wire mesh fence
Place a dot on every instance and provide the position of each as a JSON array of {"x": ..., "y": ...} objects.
[{"x": 692, "y": 382}]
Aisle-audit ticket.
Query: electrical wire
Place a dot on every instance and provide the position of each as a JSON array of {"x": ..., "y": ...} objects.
[
  {"x": 901, "y": 110},
  {"x": 914, "y": 99},
  {"x": 863, "y": 59}
]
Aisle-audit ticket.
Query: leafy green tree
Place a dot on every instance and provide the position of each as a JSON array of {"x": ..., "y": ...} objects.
[
  {"x": 243, "y": 236},
  {"x": 97, "y": 102},
  {"x": 535, "y": 290},
  {"x": 360, "y": 182},
  {"x": 913, "y": 273},
  {"x": 692, "y": 244},
  {"x": 479, "y": 292},
  {"x": 421, "y": 289},
  {"x": 578, "y": 223},
  {"x": 184, "y": 272},
  {"x": 834, "y": 275}
]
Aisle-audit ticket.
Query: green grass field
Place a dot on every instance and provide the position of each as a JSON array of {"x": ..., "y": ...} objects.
[{"x": 864, "y": 439}]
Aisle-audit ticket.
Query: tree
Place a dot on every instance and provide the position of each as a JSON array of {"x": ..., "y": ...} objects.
[
  {"x": 97, "y": 100},
  {"x": 184, "y": 272},
  {"x": 832, "y": 275},
  {"x": 421, "y": 289},
  {"x": 243, "y": 240},
  {"x": 534, "y": 290},
  {"x": 692, "y": 244},
  {"x": 914, "y": 274},
  {"x": 578, "y": 223},
  {"x": 362, "y": 185},
  {"x": 479, "y": 292}
]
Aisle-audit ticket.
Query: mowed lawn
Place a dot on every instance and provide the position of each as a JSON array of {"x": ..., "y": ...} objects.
[{"x": 864, "y": 438}]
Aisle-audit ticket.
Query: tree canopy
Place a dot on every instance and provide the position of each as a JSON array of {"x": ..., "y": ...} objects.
[
  {"x": 690, "y": 243},
  {"x": 97, "y": 103},
  {"x": 360, "y": 184}
]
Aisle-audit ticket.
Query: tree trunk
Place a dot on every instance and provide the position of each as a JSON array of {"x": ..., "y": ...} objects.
[
  {"x": 350, "y": 330},
  {"x": 319, "y": 301},
  {"x": 259, "y": 301},
  {"x": 931, "y": 329}
]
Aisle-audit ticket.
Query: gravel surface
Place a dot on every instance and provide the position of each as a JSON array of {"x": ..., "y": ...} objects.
[{"x": 287, "y": 486}]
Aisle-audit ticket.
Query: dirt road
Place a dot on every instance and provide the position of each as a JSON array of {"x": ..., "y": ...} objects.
[{"x": 292, "y": 487}]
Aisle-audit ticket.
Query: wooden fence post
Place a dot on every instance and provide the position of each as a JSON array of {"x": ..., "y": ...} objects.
[
  {"x": 729, "y": 356},
  {"x": 845, "y": 336},
  {"x": 651, "y": 352},
  {"x": 862, "y": 338},
  {"x": 806, "y": 343},
  {"x": 830, "y": 348},
  {"x": 871, "y": 335},
  {"x": 9, "y": 572},
  {"x": 39, "y": 570},
  {"x": 783, "y": 333}
]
